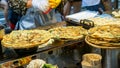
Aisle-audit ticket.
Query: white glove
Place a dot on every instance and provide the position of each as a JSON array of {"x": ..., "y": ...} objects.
[{"x": 42, "y": 5}]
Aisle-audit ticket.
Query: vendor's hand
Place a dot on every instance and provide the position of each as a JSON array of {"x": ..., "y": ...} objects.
[
  {"x": 29, "y": 3},
  {"x": 54, "y": 3}
]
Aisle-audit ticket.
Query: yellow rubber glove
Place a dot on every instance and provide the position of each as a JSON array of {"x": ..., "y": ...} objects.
[{"x": 54, "y": 3}]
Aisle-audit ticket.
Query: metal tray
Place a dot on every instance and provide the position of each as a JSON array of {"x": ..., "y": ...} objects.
[{"x": 19, "y": 61}]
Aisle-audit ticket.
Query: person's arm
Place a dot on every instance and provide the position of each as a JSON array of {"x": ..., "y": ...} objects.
[{"x": 107, "y": 5}]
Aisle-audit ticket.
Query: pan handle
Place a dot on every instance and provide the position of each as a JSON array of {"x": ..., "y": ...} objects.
[{"x": 87, "y": 23}]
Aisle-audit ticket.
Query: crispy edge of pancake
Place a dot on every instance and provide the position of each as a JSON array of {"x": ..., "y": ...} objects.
[
  {"x": 8, "y": 43},
  {"x": 56, "y": 31}
]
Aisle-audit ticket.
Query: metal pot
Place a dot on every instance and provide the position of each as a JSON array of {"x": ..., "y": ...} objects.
[{"x": 111, "y": 57}]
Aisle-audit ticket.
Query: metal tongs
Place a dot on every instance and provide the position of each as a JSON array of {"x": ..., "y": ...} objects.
[{"x": 87, "y": 24}]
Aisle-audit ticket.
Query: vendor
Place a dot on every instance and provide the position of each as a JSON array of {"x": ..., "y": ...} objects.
[
  {"x": 97, "y": 5},
  {"x": 92, "y": 5},
  {"x": 32, "y": 13}
]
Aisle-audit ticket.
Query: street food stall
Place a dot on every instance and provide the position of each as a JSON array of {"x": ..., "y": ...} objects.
[
  {"x": 55, "y": 43},
  {"x": 53, "y": 37}
]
